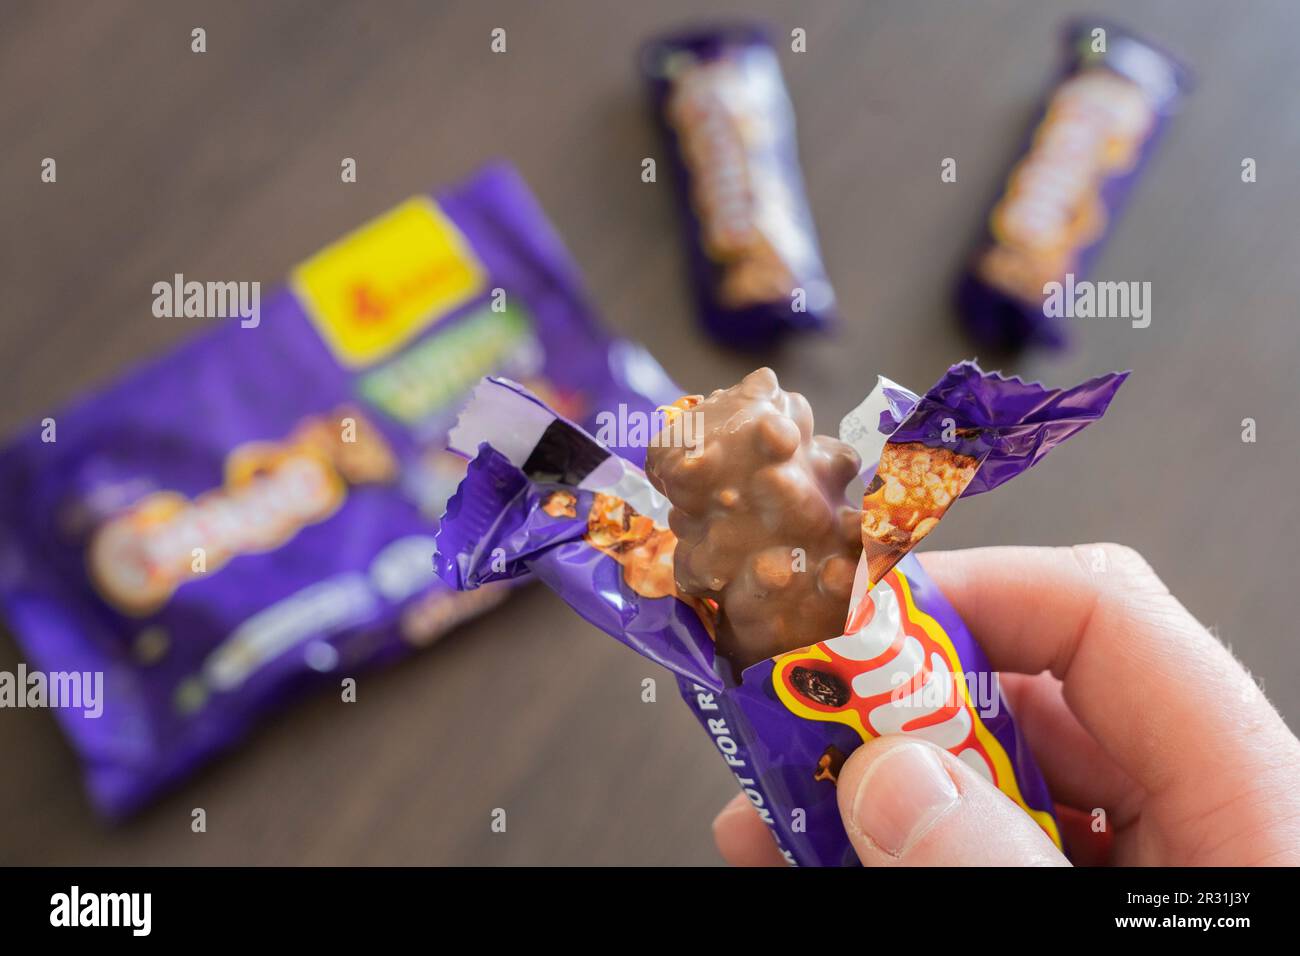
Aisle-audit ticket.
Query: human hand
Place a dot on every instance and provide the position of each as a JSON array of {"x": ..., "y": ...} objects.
[{"x": 1130, "y": 706}]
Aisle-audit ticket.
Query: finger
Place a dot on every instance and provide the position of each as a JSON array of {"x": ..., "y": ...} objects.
[
  {"x": 906, "y": 802},
  {"x": 1077, "y": 769},
  {"x": 1158, "y": 692},
  {"x": 742, "y": 837}
]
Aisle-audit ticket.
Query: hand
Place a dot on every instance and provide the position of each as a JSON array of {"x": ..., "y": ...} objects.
[{"x": 1130, "y": 706}]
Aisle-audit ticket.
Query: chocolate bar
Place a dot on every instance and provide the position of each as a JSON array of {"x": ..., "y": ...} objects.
[
  {"x": 1093, "y": 137},
  {"x": 762, "y": 504},
  {"x": 786, "y": 662},
  {"x": 756, "y": 270}
]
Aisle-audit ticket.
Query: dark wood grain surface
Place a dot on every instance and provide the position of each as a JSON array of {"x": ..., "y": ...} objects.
[{"x": 227, "y": 164}]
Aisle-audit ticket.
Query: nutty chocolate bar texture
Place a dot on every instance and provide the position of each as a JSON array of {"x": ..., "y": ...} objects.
[
  {"x": 914, "y": 486},
  {"x": 763, "y": 525}
]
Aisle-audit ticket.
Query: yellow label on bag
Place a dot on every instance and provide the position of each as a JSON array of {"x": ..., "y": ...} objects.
[{"x": 379, "y": 287}]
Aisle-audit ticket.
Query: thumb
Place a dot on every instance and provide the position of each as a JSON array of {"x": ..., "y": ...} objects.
[{"x": 908, "y": 803}]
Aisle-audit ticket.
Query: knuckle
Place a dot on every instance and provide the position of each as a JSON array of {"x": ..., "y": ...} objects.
[{"x": 1106, "y": 558}]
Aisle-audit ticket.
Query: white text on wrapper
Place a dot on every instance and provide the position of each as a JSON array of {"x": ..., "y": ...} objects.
[{"x": 730, "y": 750}]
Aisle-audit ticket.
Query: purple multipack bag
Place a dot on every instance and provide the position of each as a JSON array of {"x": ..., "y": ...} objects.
[
  {"x": 254, "y": 513},
  {"x": 756, "y": 269},
  {"x": 543, "y": 497},
  {"x": 1072, "y": 179}
]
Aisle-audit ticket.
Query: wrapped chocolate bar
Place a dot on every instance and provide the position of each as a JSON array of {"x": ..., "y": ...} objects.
[
  {"x": 755, "y": 266},
  {"x": 1089, "y": 145},
  {"x": 797, "y": 625},
  {"x": 255, "y": 512}
]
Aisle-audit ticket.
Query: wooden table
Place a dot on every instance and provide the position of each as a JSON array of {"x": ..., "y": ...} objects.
[{"x": 227, "y": 164}]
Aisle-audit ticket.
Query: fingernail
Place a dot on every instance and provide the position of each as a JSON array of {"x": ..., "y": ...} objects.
[
  {"x": 737, "y": 804},
  {"x": 901, "y": 796}
]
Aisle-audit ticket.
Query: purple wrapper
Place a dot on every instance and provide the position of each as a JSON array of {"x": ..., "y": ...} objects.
[
  {"x": 1093, "y": 137},
  {"x": 543, "y": 497},
  {"x": 1007, "y": 423},
  {"x": 315, "y": 553},
  {"x": 755, "y": 266}
]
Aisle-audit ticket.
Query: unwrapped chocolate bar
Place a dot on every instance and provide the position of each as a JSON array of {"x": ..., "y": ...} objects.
[
  {"x": 254, "y": 512},
  {"x": 1093, "y": 137},
  {"x": 755, "y": 265},
  {"x": 797, "y": 626}
]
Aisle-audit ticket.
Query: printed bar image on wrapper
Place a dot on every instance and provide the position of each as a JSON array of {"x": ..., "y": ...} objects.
[
  {"x": 756, "y": 268},
  {"x": 1095, "y": 134},
  {"x": 788, "y": 670}
]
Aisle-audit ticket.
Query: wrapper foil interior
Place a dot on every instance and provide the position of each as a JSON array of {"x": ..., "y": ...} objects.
[
  {"x": 254, "y": 513},
  {"x": 543, "y": 497}
]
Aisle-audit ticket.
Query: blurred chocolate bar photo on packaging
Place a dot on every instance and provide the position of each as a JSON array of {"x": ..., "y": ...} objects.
[
  {"x": 756, "y": 269},
  {"x": 1092, "y": 139},
  {"x": 254, "y": 513}
]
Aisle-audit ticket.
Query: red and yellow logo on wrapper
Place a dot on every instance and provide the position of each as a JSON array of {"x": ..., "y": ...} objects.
[
  {"x": 378, "y": 288},
  {"x": 896, "y": 672}
]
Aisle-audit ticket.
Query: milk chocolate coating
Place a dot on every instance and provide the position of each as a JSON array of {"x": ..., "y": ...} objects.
[{"x": 762, "y": 522}]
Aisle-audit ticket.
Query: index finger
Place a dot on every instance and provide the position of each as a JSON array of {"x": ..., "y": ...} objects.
[{"x": 1155, "y": 688}]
